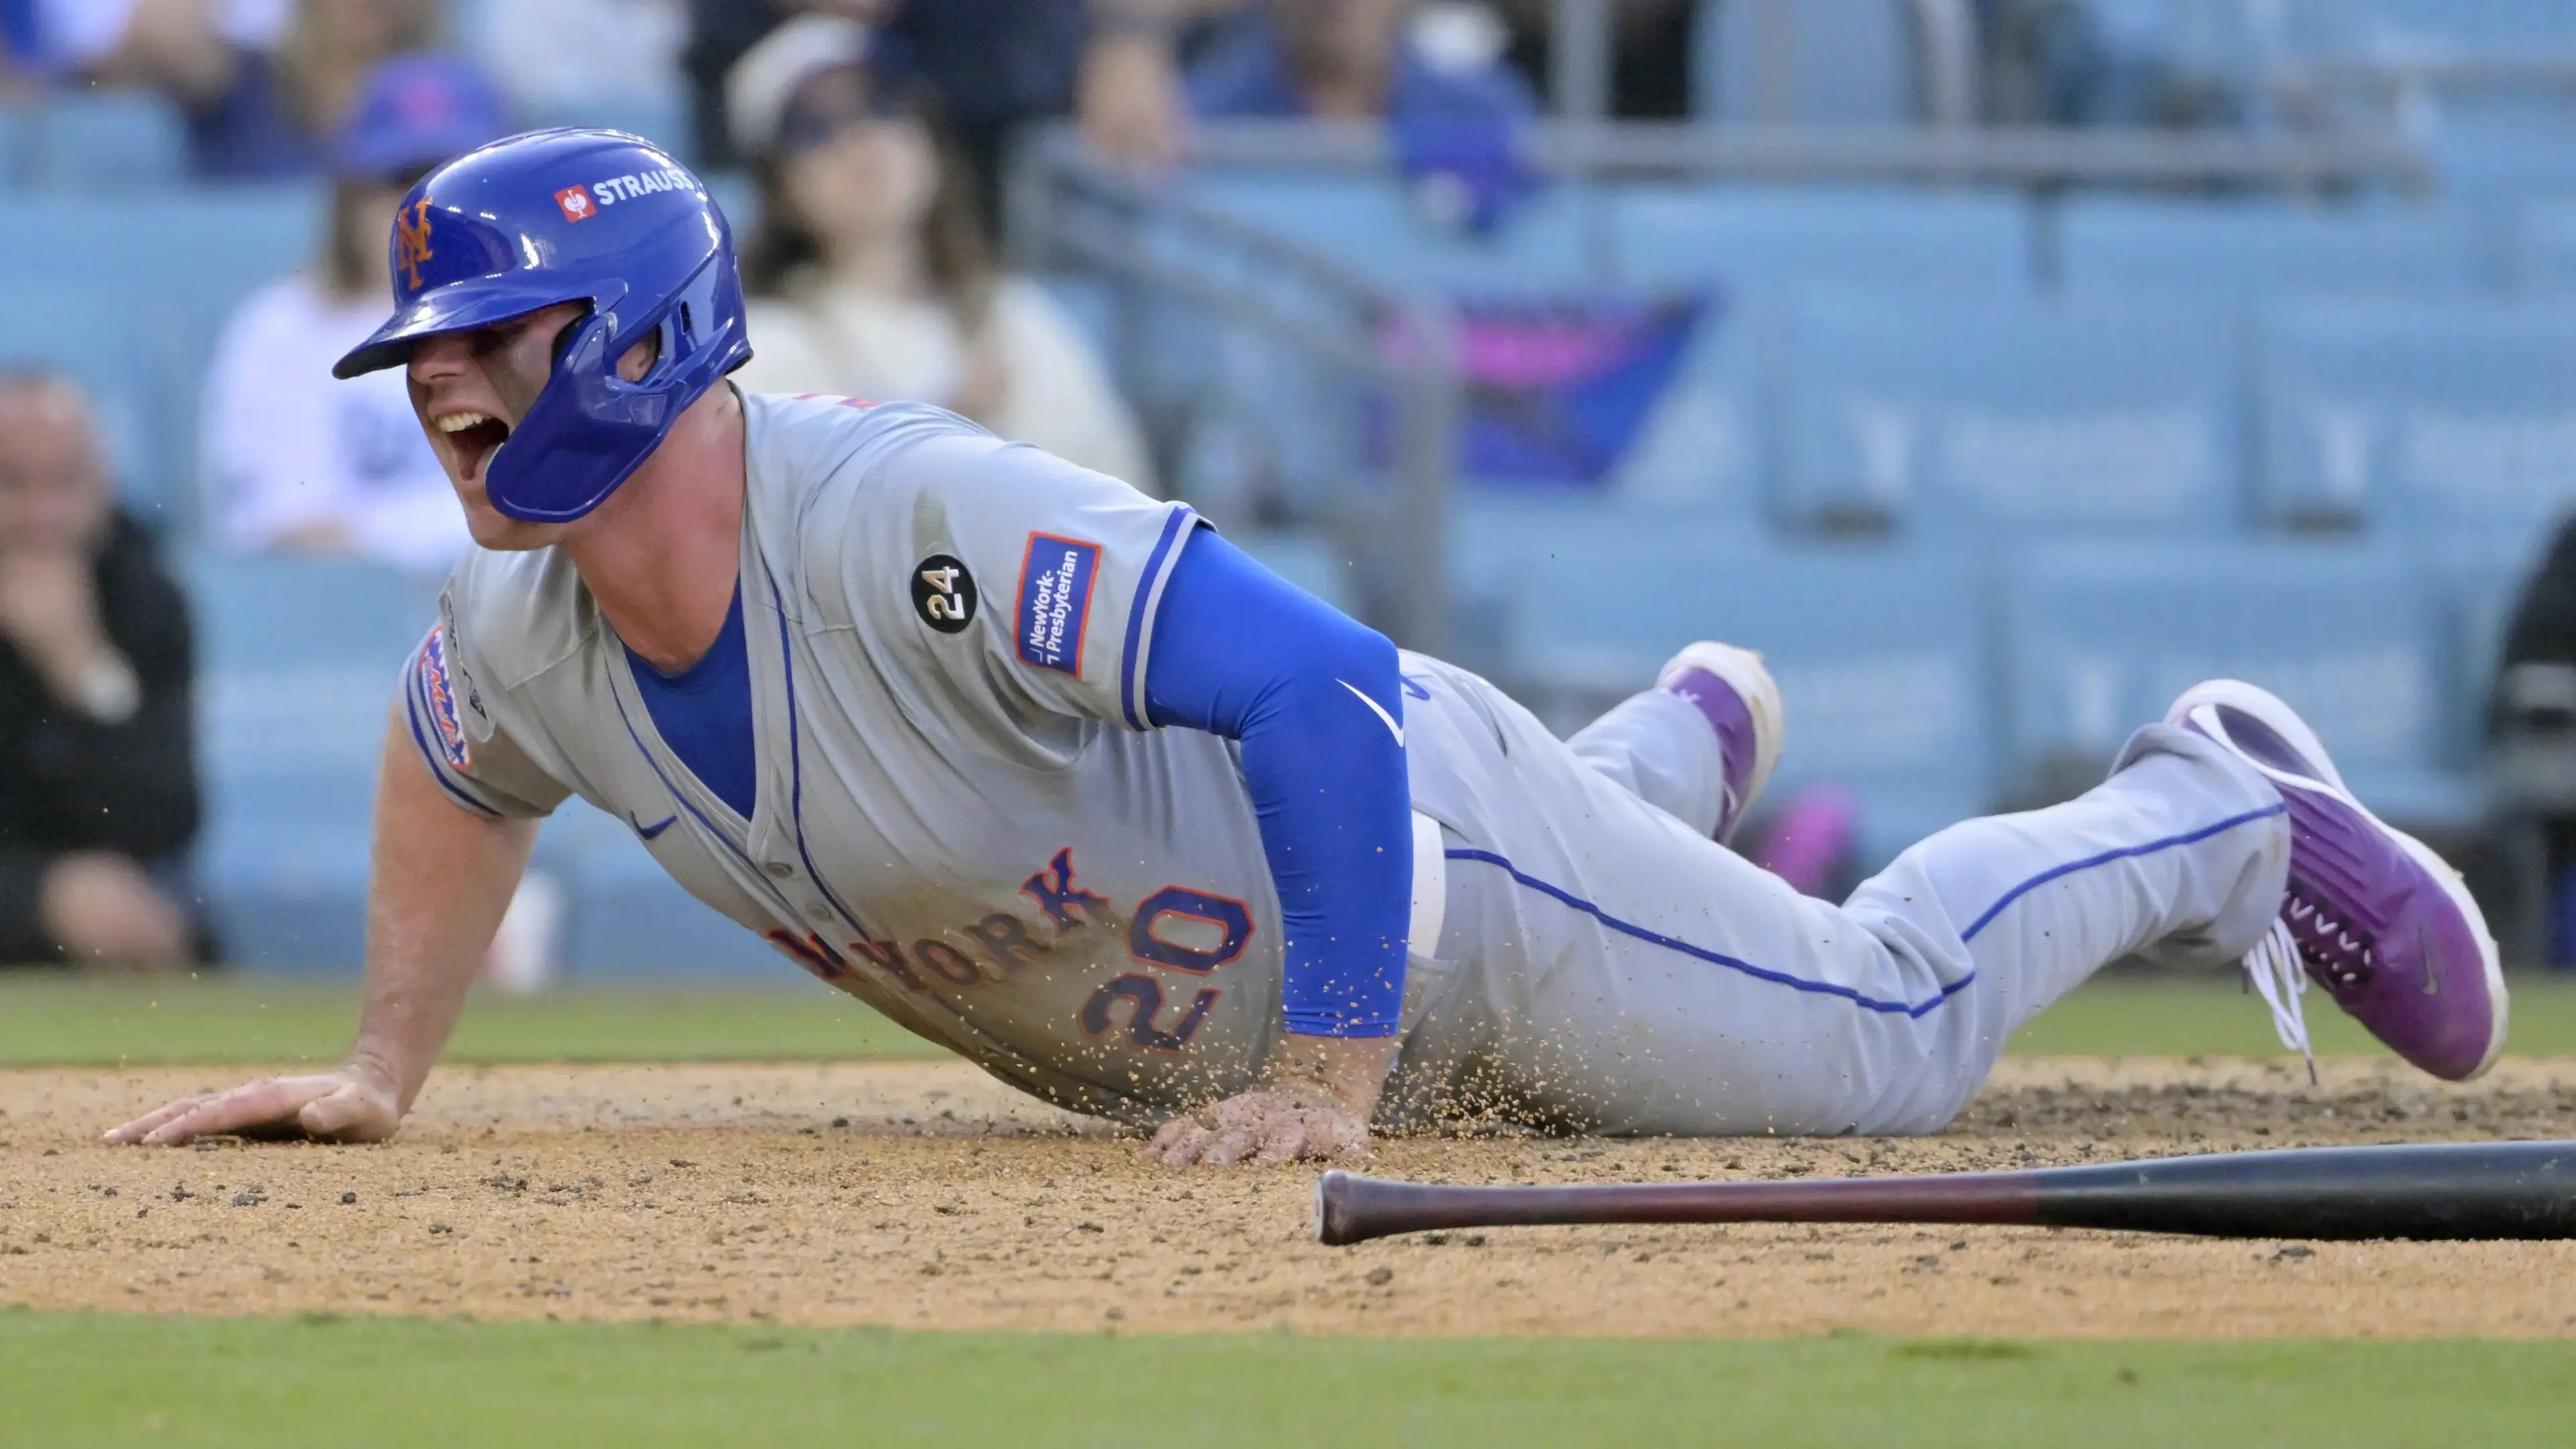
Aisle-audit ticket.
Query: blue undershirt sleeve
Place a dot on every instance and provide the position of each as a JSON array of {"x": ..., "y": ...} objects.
[{"x": 1316, "y": 701}]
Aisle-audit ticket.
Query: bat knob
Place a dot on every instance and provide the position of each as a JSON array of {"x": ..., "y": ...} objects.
[{"x": 1332, "y": 1208}]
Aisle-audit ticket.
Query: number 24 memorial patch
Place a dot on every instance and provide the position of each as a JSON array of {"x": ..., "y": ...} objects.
[{"x": 1055, "y": 600}]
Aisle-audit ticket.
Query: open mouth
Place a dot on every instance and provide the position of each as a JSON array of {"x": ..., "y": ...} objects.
[{"x": 474, "y": 437}]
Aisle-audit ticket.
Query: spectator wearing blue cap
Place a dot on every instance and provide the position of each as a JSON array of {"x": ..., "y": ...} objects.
[
  {"x": 1433, "y": 74},
  {"x": 293, "y": 459}
]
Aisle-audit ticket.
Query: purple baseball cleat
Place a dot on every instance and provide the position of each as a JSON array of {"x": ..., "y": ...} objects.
[
  {"x": 1730, "y": 686},
  {"x": 2371, "y": 915}
]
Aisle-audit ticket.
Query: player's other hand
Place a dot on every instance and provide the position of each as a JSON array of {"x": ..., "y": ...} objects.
[
  {"x": 1280, "y": 1123},
  {"x": 352, "y": 1104}
]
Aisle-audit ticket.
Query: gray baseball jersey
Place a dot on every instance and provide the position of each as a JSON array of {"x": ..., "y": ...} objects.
[
  {"x": 964, "y": 818},
  {"x": 961, "y": 816}
]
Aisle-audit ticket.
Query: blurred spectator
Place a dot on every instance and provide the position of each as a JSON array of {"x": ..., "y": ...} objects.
[
  {"x": 1433, "y": 73},
  {"x": 255, "y": 111},
  {"x": 2535, "y": 707},
  {"x": 996, "y": 65},
  {"x": 1359, "y": 60},
  {"x": 872, "y": 275},
  {"x": 1651, "y": 43},
  {"x": 68, "y": 38},
  {"x": 293, "y": 459},
  {"x": 98, "y": 789},
  {"x": 2093, "y": 63},
  {"x": 628, "y": 49}
]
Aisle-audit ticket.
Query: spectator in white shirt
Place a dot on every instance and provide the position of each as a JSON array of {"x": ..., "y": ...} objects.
[
  {"x": 872, "y": 276},
  {"x": 293, "y": 459}
]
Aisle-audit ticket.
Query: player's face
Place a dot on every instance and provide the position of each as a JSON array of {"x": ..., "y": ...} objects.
[{"x": 471, "y": 389}]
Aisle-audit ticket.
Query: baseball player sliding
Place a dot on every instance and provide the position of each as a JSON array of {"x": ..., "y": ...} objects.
[{"x": 1055, "y": 776}]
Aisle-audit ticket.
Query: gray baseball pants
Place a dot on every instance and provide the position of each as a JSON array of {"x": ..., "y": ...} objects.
[{"x": 1605, "y": 966}]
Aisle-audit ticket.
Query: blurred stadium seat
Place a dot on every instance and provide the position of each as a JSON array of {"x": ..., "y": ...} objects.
[
  {"x": 2544, "y": 244},
  {"x": 1310, "y": 562},
  {"x": 2439, "y": 416},
  {"x": 1880, "y": 653},
  {"x": 1369, "y": 223},
  {"x": 88, "y": 332},
  {"x": 2392, "y": 30},
  {"x": 1500, "y": 538},
  {"x": 1752, "y": 239},
  {"x": 2099, "y": 638},
  {"x": 1847, "y": 62},
  {"x": 2128, "y": 245},
  {"x": 1748, "y": 248},
  {"x": 166, "y": 266},
  {"x": 1948, "y": 414},
  {"x": 104, "y": 141},
  {"x": 297, "y": 661}
]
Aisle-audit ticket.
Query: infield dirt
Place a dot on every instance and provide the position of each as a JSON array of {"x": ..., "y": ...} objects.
[{"x": 924, "y": 1195}]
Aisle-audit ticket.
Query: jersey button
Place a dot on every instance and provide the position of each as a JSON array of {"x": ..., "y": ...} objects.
[
  {"x": 779, "y": 869},
  {"x": 820, "y": 913}
]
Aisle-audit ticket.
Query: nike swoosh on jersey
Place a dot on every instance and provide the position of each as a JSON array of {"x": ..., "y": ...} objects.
[
  {"x": 649, "y": 831},
  {"x": 1375, "y": 708}
]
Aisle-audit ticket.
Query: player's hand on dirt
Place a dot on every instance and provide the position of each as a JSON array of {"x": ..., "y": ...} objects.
[
  {"x": 1279, "y": 1123},
  {"x": 352, "y": 1104}
]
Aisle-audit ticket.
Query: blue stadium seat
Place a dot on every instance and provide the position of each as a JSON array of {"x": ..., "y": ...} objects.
[
  {"x": 1748, "y": 248},
  {"x": 1311, "y": 562},
  {"x": 2544, "y": 248},
  {"x": 176, "y": 263},
  {"x": 1368, "y": 223},
  {"x": 17, "y": 144},
  {"x": 105, "y": 141},
  {"x": 2438, "y": 29},
  {"x": 2099, "y": 638},
  {"x": 1959, "y": 414},
  {"x": 1845, "y": 62},
  {"x": 1499, "y": 538},
  {"x": 1746, "y": 240},
  {"x": 2437, "y": 416},
  {"x": 297, "y": 663},
  {"x": 1880, "y": 653},
  {"x": 2478, "y": 576},
  {"x": 89, "y": 333},
  {"x": 2246, "y": 250}
]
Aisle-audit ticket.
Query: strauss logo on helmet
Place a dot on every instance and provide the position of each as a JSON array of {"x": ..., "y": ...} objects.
[{"x": 576, "y": 203}]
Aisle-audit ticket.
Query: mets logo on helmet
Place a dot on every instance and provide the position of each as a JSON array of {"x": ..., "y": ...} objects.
[
  {"x": 576, "y": 203},
  {"x": 411, "y": 241}
]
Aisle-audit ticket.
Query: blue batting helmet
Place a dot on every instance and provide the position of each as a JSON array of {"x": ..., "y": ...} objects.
[{"x": 598, "y": 217}]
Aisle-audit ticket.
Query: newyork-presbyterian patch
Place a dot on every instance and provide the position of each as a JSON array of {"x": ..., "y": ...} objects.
[
  {"x": 440, "y": 697},
  {"x": 1055, "y": 600}
]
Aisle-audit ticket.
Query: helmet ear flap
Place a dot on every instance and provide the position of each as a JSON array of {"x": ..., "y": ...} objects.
[{"x": 563, "y": 338}]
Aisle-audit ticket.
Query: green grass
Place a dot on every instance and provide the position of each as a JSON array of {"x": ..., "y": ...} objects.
[
  {"x": 52, "y": 1020},
  {"x": 2136, "y": 1015},
  {"x": 47, "y": 1021},
  {"x": 73, "y": 1379}
]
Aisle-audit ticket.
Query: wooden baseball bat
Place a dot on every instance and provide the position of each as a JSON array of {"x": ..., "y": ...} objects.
[{"x": 2448, "y": 1190}]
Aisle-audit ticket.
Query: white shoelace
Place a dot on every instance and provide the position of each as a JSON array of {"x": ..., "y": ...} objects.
[{"x": 2277, "y": 975}]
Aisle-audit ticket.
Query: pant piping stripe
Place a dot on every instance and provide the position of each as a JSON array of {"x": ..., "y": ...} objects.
[
  {"x": 2106, "y": 857},
  {"x": 1702, "y": 953}
]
